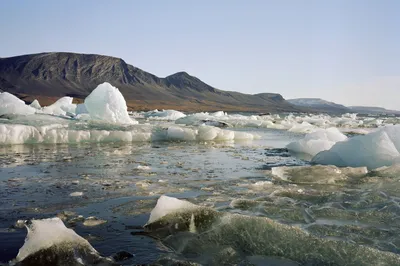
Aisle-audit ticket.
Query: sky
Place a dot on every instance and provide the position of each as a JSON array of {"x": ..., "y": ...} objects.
[{"x": 346, "y": 51}]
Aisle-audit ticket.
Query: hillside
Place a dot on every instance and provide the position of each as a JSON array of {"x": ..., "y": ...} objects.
[
  {"x": 48, "y": 76},
  {"x": 373, "y": 110},
  {"x": 320, "y": 105}
]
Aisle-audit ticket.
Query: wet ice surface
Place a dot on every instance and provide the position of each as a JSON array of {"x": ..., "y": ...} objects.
[{"x": 106, "y": 191}]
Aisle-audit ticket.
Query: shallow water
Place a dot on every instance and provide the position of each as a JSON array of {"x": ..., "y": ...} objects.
[{"x": 121, "y": 183}]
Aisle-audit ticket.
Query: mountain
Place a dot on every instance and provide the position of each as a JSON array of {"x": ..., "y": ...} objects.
[
  {"x": 320, "y": 105},
  {"x": 372, "y": 110},
  {"x": 48, "y": 76}
]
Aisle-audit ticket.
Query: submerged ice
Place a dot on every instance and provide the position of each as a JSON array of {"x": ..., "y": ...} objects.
[
  {"x": 195, "y": 231},
  {"x": 239, "y": 212}
]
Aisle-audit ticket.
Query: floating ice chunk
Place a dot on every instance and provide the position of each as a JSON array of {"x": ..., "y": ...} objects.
[
  {"x": 393, "y": 133},
  {"x": 93, "y": 221},
  {"x": 168, "y": 115},
  {"x": 215, "y": 123},
  {"x": 315, "y": 142},
  {"x": 81, "y": 109},
  {"x": 262, "y": 184},
  {"x": 304, "y": 127},
  {"x": 44, "y": 235},
  {"x": 208, "y": 133},
  {"x": 373, "y": 150},
  {"x": 107, "y": 104},
  {"x": 35, "y": 104},
  {"x": 219, "y": 113},
  {"x": 143, "y": 167},
  {"x": 166, "y": 205},
  {"x": 194, "y": 119},
  {"x": 179, "y": 133},
  {"x": 213, "y": 133},
  {"x": 10, "y": 104},
  {"x": 76, "y": 194},
  {"x": 244, "y": 136},
  {"x": 62, "y": 106},
  {"x": 356, "y": 131}
]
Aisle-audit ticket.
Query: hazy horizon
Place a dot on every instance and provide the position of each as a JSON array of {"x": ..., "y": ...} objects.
[{"x": 341, "y": 51}]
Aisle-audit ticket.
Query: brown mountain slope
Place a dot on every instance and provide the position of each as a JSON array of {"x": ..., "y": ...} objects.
[{"x": 48, "y": 76}]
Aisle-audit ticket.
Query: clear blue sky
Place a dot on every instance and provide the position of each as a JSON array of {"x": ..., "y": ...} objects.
[{"x": 347, "y": 51}]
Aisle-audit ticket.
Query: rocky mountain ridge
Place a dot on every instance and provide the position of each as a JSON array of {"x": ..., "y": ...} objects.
[{"x": 47, "y": 76}]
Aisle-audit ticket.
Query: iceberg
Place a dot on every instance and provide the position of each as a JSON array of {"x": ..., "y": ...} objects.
[
  {"x": 107, "y": 104},
  {"x": 374, "y": 150},
  {"x": 10, "y": 104},
  {"x": 317, "y": 141}
]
